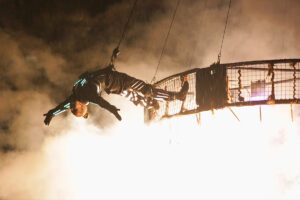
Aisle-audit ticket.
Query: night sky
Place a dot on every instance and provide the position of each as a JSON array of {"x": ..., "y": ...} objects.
[{"x": 46, "y": 44}]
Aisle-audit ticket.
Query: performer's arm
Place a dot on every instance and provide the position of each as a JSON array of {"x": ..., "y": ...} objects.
[
  {"x": 104, "y": 104},
  {"x": 62, "y": 107}
]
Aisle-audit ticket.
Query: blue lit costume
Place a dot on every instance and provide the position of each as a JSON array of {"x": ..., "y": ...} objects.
[{"x": 90, "y": 85}]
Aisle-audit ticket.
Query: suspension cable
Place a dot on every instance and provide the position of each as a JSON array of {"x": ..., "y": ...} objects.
[
  {"x": 116, "y": 50},
  {"x": 165, "y": 42},
  {"x": 220, "y": 52},
  {"x": 127, "y": 23}
]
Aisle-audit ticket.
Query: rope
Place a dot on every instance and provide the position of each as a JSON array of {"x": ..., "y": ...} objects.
[
  {"x": 220, "y": 52},
  {"x": 240, "y": 85},
  {"x": 165, "y": 42},
  {"x": 271, "y": 72},
  {"x": 294, "y": 82}
]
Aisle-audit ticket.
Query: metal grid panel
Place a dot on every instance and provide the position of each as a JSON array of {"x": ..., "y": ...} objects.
[
  {"x": 190, "y": 102},
  {"x": 176, "y": 107},
  {"x": 263, "y": 82},
  {"x": 240, "y": 79}
]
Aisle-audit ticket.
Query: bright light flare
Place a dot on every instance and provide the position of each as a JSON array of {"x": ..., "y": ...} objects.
[
  {"x": 179, "y": 159},
  {"x": 176, "y": 158}
]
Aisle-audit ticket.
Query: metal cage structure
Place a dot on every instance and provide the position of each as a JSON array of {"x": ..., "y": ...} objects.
[{"x": 231, "y": 84}]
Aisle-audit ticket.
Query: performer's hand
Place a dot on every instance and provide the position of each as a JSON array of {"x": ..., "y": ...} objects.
[
  {"x": 48, "y": 118},
  {"x": 116, "y": 52},
  {"x": 115, "y": 112},
  {"x": 114, "y": 55}
]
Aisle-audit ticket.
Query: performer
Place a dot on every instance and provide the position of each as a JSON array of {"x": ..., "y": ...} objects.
[{"x": 90, "y": 85}]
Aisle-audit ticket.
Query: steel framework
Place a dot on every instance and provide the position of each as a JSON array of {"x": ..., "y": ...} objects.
[{"x": 232, "y": 84}]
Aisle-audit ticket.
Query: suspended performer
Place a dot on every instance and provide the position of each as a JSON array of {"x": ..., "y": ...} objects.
[{"x": 90, "y": 85}]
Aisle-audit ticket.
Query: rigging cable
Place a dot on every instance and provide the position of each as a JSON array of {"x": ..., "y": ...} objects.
[
  {"x": 220, "y": 52},
  {"x": 165, "y": 42},
  {"x": 127, "y": 23},
  {"x": 116, "y": 50}
]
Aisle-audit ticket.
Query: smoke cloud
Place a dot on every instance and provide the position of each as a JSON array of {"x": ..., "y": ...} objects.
[{"x": 46, "y": 44}]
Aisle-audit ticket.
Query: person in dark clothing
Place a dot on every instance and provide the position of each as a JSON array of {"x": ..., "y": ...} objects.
[{"x": 90, "y": 85}]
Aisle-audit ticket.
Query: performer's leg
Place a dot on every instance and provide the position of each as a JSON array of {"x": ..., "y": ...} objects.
[
  {"x": 160, "y": 94},
  {"x": 181, "y": 95},
  {"x": 148, "y": 91}
]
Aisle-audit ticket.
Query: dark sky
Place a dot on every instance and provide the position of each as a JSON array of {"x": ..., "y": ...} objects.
[{"x": 59, "y": 24}]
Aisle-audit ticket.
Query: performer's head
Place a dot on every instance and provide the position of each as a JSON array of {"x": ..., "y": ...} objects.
[{"x": 79, "y": 109}]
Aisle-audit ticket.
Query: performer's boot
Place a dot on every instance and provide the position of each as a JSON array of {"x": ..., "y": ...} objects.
[
  {"x": 160, "y": 94},
  {"x": 155, "y": 104},
  {"x": 181, "y": 95}
]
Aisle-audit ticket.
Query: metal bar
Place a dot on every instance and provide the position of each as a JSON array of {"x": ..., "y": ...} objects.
[
  {"x": 292, "y": 113},
  {"x": 198, "y": 118},
  {"x": 262, "y": 62},
  {"x": 263, "y": 69},
  {"x": 260, "y": 114},
  {"x": 264, "y": 102},
  {"x": 269, "y": 83},
  {"x": 234, "y": 113},
  {"x": 238, "y": 104}
]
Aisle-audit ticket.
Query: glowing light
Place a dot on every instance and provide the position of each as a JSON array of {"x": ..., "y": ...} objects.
[
  {"x": 258, "y": 90},
  {"x": 58, "y": 112},
  {"x": 77, "y": 82},
  {"x": 219, "y": 159},
  {"x": 83, "y": 82},
  {"x": 67, "y": 105},
  {"x": 177, "y": 158},
  {"x": 258, "y": 98}
]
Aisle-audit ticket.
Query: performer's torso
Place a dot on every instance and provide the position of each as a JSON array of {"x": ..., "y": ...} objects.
[{"x": 110, "y": 82}]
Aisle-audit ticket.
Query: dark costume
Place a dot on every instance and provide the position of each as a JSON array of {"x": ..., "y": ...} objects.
[{"x": 90, "y": 85}]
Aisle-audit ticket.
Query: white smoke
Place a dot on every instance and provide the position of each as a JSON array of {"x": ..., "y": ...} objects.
[{"x": 162, "y": 161}]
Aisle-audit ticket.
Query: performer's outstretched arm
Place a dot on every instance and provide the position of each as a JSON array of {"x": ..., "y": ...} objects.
[
  {"x": 62, "y": 107},
  {"x": 104, "y": 104}
]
